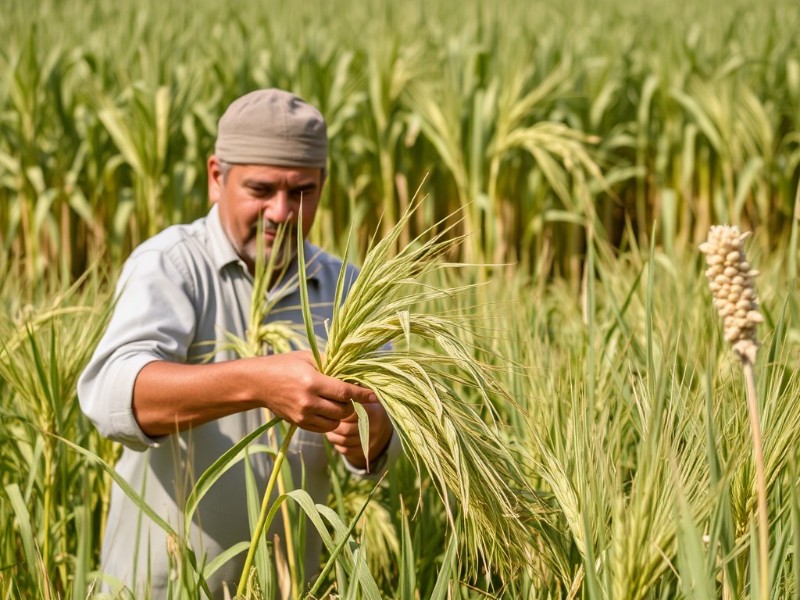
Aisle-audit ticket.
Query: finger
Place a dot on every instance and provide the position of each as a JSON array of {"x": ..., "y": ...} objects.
[
  {"x": 351, "y": 419},
  {"x": 344, "y": 441},
  {"x": 341, "y": 391},
  {"x": 363, "y": 395},
  {"x": 347, "y": 428},
  {"x": 350, "y": 423},
  {"x": 344, "y": 450},
  {"x": 330, "y": 409},
  {"x": 319, "y": 424}
]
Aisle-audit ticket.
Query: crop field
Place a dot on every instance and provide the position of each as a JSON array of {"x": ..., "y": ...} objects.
[{"x": 549, "y": 172}]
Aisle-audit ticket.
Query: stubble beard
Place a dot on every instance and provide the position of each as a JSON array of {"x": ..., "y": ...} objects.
[{"x": 283, "y": 254}]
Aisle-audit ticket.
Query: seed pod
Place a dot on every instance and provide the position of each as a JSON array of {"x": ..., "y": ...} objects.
[
  {"x": 731, "y": 281},
  {"x": 732, "y": 334}
]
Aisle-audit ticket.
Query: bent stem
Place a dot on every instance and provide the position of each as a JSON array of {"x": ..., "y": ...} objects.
[
  {"x": 761, "y": 478},
  {"x": 262, "y": 517}
]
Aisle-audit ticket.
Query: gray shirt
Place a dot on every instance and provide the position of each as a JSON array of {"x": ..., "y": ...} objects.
[{"x": 180, "y": 294}]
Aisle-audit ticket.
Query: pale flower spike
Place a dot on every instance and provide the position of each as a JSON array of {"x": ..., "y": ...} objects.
[{"x": 732, "y": 283}]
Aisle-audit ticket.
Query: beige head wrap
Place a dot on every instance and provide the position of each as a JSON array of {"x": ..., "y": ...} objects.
[{"x": 272, "y": 127}]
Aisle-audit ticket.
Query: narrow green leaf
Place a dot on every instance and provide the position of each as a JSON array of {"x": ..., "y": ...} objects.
[
  {"x": 368, "y": 584},
  {"x": 363, "y": 429},
  {"x": 220, "y": 466},
  {"x": 440, "y": 590},
  {"x": 691, "y": 557},
  {"x": 83, "y": 555},
  {"x": 408, "y": 579},
  {"x": 124, "y": 485},
  {"x": 304, "y": 302},
  {"x": 123, "y": 138},
  {"x": 754, "y": 560},
  {"x": 794, "y": 501},
  {"x": 25, "y": 531},
  {"x": 779, "y": 558},
  {"x": 224, "y": 557}
]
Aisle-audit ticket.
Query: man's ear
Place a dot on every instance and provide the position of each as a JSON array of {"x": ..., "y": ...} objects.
[{"x": 215, "y": 178}]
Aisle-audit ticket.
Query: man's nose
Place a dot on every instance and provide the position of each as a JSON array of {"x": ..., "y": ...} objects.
[{"x": 279, "y": 208}]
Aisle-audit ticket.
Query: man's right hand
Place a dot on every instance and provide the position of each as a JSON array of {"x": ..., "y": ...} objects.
[{"x": 294, "y": 389}]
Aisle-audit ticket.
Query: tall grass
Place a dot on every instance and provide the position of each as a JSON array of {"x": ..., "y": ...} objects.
[
  {"x": 689, "y": 112},
  {"x": 53, "y": 503},
  {"x": 630, "y": 412}
]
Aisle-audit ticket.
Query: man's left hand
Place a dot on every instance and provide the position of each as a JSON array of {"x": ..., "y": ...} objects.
[{"x": 346, "y": 440}]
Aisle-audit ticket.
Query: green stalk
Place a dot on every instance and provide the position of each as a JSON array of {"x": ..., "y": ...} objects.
[
  {"x": 262, "y": 517},
  {"x": 761, "y": 480},
  {"x": 48, "y": 476},
  {"x": 287, "y": 531}
]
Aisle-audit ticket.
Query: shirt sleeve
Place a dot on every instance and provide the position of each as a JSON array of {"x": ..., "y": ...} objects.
[{"x": 154, "y": 319}]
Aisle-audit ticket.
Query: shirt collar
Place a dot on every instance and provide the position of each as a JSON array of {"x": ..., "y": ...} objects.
[{"x": 223, "y": 252}]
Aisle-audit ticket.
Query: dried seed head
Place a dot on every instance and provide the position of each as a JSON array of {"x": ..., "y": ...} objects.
[{"x": 732, "y": 284}]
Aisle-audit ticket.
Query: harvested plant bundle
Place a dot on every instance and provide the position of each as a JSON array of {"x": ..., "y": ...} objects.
[{"x": 440, "y": 430}]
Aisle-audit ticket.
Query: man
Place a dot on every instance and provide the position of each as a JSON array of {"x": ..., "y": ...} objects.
[{"x": 150, "y": 385}]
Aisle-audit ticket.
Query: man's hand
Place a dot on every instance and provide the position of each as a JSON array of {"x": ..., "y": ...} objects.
[
  {"x": 302, "y": 395},
  {"x": 346, "y": 440}
]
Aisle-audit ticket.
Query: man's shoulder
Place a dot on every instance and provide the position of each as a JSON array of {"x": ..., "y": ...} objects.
[
  {"x": 174, "y": 236},
  {"x": 183, "y": 251}
]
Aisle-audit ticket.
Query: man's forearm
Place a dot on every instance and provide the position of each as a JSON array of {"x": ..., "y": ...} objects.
[{"x": 169, "y": 397}]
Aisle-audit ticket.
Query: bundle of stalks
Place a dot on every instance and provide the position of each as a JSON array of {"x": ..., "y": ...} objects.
[{"x": 440, "y": 431}]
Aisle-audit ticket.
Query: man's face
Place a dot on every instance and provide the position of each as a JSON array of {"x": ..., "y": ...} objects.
[{"x": 249, "y": 193}]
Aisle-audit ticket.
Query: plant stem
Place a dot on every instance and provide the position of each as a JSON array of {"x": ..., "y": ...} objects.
[
  {"x": 46, "y": 506},
  {"x": 287, "y": 532},
  {"x": 262, "y": 517},
  {"x": 761, "y": 479}
]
